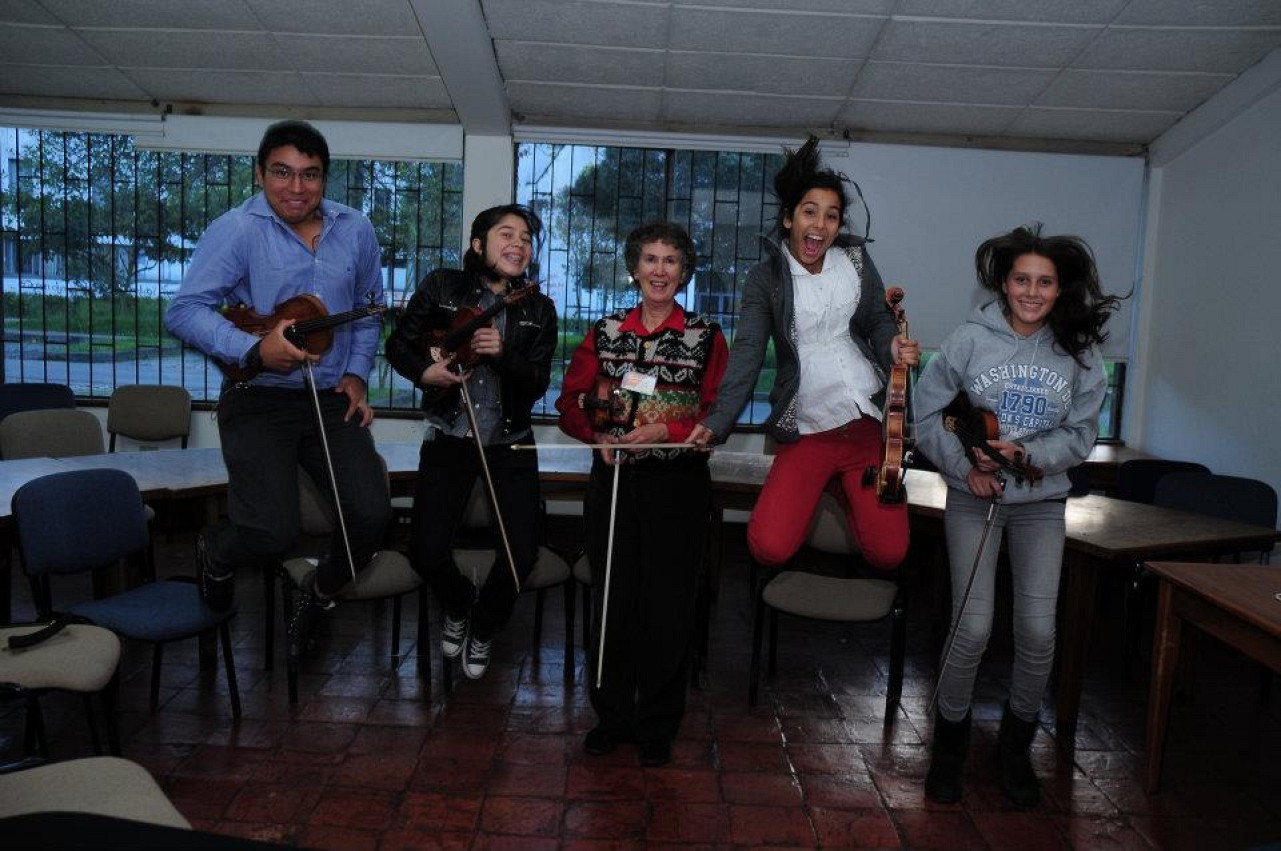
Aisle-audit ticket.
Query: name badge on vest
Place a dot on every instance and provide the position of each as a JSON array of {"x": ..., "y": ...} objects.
[{"x": 638, "y": 382}]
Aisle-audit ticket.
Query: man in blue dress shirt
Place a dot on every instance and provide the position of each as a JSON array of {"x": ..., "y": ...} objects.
[{"x": 288, "y": 241}]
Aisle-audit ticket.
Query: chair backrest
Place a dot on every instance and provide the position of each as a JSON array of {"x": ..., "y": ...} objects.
[
  {"x": 1136, "y": 479},
  {"x": 317, "y": 506},
  {"x": 829, "y": 532},
  {"x": 55, "y": 433},
  {"x": 149, "y": 412},
  {"x": 1229, "y": 497},
  {"x": 79, "y": 520},
  {"x": 34, "y": 397}
]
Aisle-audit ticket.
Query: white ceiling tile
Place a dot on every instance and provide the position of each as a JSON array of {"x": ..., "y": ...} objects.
[
  {"x": 372, "y": 91},
  {"x": 26, "y": 12},
  {"x": 285, "y": 88},
  {"x": 966, "y": 43},
  {"x": 1131, "y": 90},
  {"x": 1118, "y": 126},
  {"x": 934, "y": 118},
  {"x": 46, "y": 46},
  {"x": 540, "y": 101},
  {"x": 56, "y": 80},
  {"x": 844, "y": 7},
  {"x": 962, "y": 83},
  {"x": 336, "y": 17},
  {"x": 1229, "y": 51},
  {"x": 1210, "y": 13},
  {"x": 577, "y": 22},
  {"x": 154, "y": 14},
  {"x": 787, "y": 33},
  {"x": 582, "y": 64},
  {"x": 357, "y": 54},
  {"x": 748, "y": 110},
  {"x": 1052, "y": 11},
  {"x": 187, "y": 49},
  {"x": 768, "y": 74}
]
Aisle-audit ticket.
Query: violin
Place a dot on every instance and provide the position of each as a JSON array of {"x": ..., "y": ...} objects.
[
  {"x": 313, "y": 331},
  {"x": 974, "y": 427},
  {"x": 441, "y": 343},
  {"x": 888, "y": 477},
  {"x": 610, "y": 405}
]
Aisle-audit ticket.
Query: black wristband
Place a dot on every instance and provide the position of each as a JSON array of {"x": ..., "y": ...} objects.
[{"x": 253, "y": 358}]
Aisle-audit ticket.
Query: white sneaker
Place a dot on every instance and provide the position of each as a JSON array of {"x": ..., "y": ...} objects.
[
  {"x": 476, "y": 659},
  {"x": 453, "y": 636}
]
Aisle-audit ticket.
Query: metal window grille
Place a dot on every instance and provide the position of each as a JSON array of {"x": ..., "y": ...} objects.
[
  {"x": 95, "y": 235},
  {"x": 591, "y": 197}
]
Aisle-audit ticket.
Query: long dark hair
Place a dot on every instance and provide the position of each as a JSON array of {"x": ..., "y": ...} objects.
[
  {"x": 1078, "y": 315},
  {"x": 474, "y": 261},
  {"x": 801, "y": 173}
]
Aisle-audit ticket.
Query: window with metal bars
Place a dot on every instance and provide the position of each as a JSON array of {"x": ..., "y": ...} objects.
[
  {"x": 591, "y": 197},
  {"x": 95, "y": 234}
]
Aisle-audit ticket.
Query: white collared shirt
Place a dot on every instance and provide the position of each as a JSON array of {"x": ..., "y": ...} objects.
[{"x": 837, "y": 381}]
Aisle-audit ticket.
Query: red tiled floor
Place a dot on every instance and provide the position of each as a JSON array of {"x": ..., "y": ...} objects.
[{"x": 380, "y": 759}]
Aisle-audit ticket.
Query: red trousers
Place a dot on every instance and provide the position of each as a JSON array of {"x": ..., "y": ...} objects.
[{"x": 801, "y": 470}]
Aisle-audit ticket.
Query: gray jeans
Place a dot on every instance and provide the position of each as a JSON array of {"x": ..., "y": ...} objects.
[{"x": 1034, "y": 534}]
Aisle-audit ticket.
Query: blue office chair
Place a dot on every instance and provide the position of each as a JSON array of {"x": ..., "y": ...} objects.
[
  {"x": 1136, "y": 479},
  {"x": 86, "y": 520},
  {"x": 34, "y": 397}
]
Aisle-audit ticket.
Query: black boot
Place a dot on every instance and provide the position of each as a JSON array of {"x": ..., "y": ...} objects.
[
  {"x": 947, "y": 758},
  {"x": 1013, "y": 743}
]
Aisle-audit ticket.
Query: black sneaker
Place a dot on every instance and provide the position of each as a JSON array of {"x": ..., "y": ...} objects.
[
  {"x": 453, "y": 636},
  {"x": 302, "y": 619},
  {"x": 599, "y": 742},
  {"x": 217, "y": 584},
  {"x": 476, "y": 657}
]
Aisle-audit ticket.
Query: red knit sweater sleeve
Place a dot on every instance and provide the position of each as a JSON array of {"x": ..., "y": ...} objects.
[{"x": 580, "y": 377}]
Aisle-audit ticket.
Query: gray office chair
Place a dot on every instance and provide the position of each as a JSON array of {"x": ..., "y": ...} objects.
[
  {"x": 149, "y": 413},
  {"x": 51, "y": 433},
  {"x": 793, "y": 590},
  {"x": 78, "y": 658},
  {"x": 104, "y": 786},
  {"x": 387, "y": 576}
]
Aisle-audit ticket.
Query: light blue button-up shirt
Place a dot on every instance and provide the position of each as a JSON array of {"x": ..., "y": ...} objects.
[{"x": 250, "y": 256}]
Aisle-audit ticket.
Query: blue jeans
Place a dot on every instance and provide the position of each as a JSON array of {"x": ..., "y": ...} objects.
[
  {"x": 1034, "y": 533},
  {"x": 267, "y": 434}
]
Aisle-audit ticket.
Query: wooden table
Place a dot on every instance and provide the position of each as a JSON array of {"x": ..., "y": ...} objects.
[{"x": 1238, "y": 604}]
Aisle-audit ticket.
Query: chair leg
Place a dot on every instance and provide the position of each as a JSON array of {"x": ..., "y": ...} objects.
[
  {"x": 110, "y": 721},
  {"x": 569, "y": 592},
  {"x": 93, "y": 727},
  {"x": 35, "y": 737},
  {"x": 539, "y": 597},
  {"x": 157, "y": 656},
  {"x": 754, "y": 672},
  {"x": 587, "y": 618},
  {"x": 898, "y": 654},
  {"x": 424, "y": 647},
  {"x": 395, "y": 632},
  {"x": 233, "y": 688},
  {"x": 773, "y": 642},
  {"x": 291, "y": 675},
  {"x": 269, "y": 617}
]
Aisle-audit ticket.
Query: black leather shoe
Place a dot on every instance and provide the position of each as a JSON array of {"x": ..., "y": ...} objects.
[
  {"x": 655, "y": 753},
  {"x": 599, "y": 742}
]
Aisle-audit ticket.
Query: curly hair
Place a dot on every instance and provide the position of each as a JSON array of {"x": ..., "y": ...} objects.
[
  {"x": 474, "y": 261},
  {"x": 801, "y": 173},
  {"x": 668, "y": 233},
  {"x": 1081, "y": 309}
]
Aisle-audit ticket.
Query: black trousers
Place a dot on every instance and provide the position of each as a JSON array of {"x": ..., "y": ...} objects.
[
  {"x": 447, "y": 469},
  {"x": 267, "y": 434},
  {"x": 659, "y": 529}
]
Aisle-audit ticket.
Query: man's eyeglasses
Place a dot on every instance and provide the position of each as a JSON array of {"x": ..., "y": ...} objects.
[{"x": 285, "y": 174}]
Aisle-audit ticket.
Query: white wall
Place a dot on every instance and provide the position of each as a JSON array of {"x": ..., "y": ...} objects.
[
  {"x": 1211, "y": 390},
  {"x": 931, "y": 207}
]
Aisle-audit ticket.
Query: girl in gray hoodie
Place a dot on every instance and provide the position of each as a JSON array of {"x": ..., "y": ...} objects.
[{"x": 1031, "y": 357}]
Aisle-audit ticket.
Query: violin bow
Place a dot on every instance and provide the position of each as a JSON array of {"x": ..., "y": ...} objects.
[
  {"x": 329, "y": 465},
  {"x": 489, "y": 482},
  {"x": 613, "y": 513}
]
